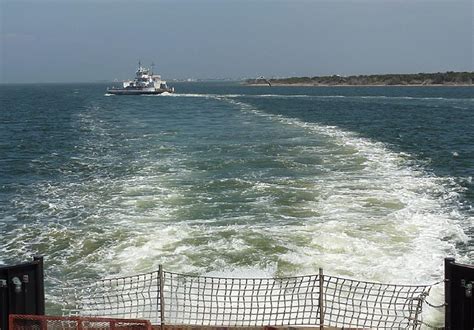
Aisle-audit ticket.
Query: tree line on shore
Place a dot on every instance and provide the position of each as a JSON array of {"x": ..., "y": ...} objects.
[{"x": 439, "y": 78}]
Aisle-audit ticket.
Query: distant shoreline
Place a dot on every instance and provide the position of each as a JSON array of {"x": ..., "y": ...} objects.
[
  {"x": 449, "y": 78},
  {"x": 347, "y": 85}
]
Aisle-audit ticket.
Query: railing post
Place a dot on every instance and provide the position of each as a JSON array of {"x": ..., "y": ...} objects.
[
  {"x": 321, "y": 299},
  {"x": 162, "y": 298},
  {"x": 40, "y": 308},
  {"x": 447, "y": 292}
]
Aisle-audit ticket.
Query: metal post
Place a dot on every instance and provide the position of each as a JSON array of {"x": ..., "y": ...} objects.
[
  {"x": 321, "y": 299},
  {"x": 40, "y": 308},
  {"x": 162, "y": 298},
  {"x": 447, "y": 292}
]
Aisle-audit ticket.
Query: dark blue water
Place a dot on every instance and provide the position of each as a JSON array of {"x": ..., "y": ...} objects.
[{"x": 222, "y": 177}]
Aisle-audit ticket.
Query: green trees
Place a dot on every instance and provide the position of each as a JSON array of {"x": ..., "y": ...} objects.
[{"x": 439, "y": 78}]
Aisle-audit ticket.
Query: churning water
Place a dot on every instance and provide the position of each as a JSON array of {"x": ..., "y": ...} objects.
[{"x": 369, "y": 183}]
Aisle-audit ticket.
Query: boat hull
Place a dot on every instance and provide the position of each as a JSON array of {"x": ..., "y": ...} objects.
[{"x": 117, "y": 91}]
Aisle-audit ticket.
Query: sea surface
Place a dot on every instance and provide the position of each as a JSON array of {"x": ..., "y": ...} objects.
[{"x": 372, "y": 183}]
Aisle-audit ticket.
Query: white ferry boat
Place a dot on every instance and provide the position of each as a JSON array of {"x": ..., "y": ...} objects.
[{"x": 145, "y": 82}]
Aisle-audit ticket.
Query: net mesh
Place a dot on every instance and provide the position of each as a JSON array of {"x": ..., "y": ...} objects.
[
  {"x": 372, "y": 305},
  {"x": 240, "y": 302},
  {"x": 211, "y": 301},
  {"x": 126, "y": 297}
]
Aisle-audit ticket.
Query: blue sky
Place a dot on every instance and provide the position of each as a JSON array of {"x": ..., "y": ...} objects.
[{"x": 72, "y": 40}]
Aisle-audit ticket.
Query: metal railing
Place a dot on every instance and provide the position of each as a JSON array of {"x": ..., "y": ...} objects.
[
  {"x": 47, "y": 322},
  {"x": 313, "y": 300}
]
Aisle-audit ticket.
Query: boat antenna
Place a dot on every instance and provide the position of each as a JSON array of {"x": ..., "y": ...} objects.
[
  {"x": 139, "y": 64},
  {"x": 152, "y": 66}
]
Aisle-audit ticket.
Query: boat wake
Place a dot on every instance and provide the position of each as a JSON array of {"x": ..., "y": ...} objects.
[
  {"x": 296, "y": 96},
  {"x": 389, "y": 213},
  {"x": 234, "y": 189}
]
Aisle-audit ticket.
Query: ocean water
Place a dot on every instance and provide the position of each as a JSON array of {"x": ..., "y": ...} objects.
[{"x": 372, "y": 183}]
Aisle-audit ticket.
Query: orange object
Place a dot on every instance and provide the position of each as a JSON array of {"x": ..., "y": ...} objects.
[{"x": 46, "y": 322}]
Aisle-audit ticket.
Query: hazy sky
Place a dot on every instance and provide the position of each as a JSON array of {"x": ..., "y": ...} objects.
[{"x": 85, "y": 40}]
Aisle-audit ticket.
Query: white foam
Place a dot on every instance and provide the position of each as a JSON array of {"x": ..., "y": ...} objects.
[
  {"x": 387, "y": 176},
  {"x": 244, "y": 272}
]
